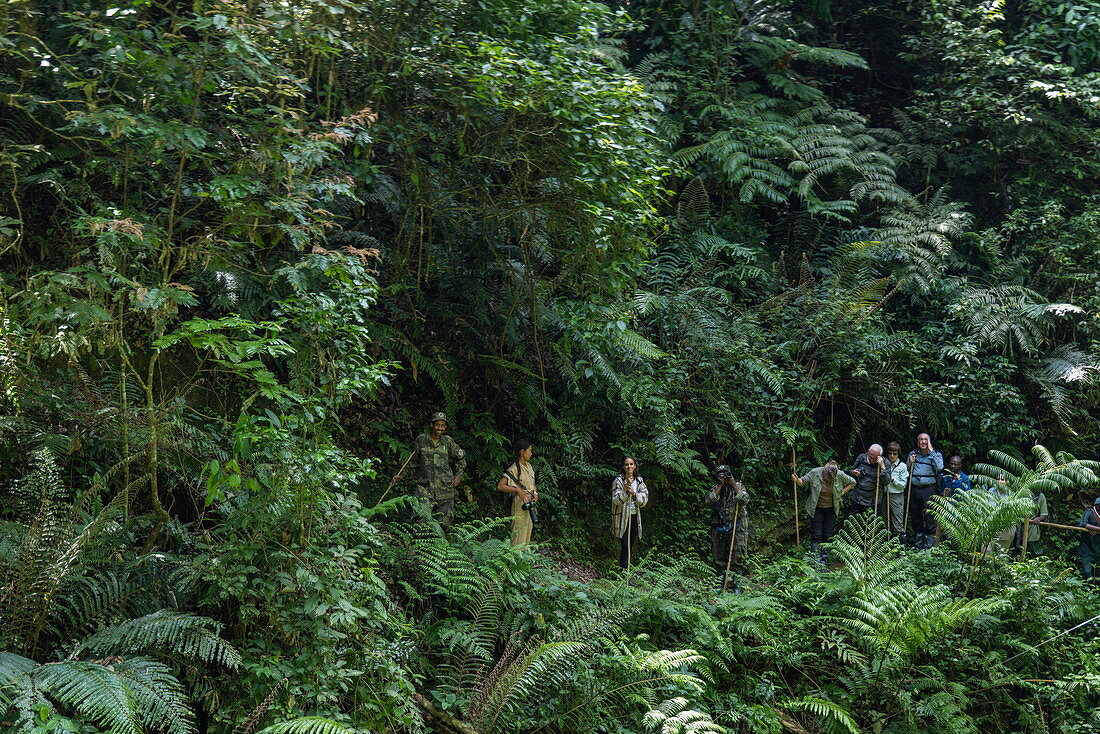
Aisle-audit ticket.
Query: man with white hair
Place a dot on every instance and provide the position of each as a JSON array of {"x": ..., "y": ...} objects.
[{"x": 872, "y": 476}]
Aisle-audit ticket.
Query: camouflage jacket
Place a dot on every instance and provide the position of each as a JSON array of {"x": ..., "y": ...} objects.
[
  {"x": 724, "y": 501},
  {"x": 440, "y": 461}
]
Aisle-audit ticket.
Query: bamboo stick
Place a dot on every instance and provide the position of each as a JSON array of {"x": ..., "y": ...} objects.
[
  {"x": 1064, "y": 527},
  {"x": 794, "y": 494},
  {"x": 394, "y": 480},
  {"x": 733, "y": 541}
]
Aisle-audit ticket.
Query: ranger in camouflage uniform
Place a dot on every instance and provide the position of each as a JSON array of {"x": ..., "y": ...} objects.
[
  {"x": 725, "y": 495},
  {"x": 441, "y": 465}
]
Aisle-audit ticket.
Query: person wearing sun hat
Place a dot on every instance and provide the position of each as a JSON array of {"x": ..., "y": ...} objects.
[{"x": 441, "y": 463}]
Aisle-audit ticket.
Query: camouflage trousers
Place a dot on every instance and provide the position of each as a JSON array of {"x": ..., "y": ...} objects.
[
  {"x": 720, "y": 548},
  {"x": 441, "y": 500}
]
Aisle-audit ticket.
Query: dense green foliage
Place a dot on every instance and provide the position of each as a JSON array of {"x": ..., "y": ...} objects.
[{"x": 246, "y": 248}]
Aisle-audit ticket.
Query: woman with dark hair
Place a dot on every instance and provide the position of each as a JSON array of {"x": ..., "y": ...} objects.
[
  {"x": 519, "y": 479},
  {"x": 628, "y": 496}
]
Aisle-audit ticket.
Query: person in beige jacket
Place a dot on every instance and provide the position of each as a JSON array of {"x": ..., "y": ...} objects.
[
  {"x": 628, "y": 496},
  {"x": 519, "y": 480}
]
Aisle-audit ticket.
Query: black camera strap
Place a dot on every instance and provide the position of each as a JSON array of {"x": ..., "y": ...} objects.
[
  {"x": 529, "y": 507},
  {"x": 519, "y": 484}
]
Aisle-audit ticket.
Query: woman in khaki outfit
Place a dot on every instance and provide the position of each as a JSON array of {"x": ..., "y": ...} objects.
[{"x": 519, "y": 479}]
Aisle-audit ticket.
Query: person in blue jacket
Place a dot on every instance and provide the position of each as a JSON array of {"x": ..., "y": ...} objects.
[{"x": 955, "y": 479}]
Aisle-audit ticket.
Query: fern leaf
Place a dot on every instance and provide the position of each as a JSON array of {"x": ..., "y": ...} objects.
[{"x": 309, "y": 725}]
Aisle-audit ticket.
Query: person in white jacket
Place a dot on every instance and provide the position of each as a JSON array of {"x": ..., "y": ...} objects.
[{"x": 628, "y": 496}]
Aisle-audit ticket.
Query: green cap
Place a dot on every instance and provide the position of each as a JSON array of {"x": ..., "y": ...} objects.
[{"x": 440, "y": 416}]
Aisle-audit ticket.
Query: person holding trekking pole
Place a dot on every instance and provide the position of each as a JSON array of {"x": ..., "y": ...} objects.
[
  {"x": 728, "y": 498},
  {"x": 440, "y": 463},
  {"x": 871, "y": 475},
  {"x": 825, "y": 486},
  {"x": 895, "y": 490},
  {"x": 519, "y": 480},
  {"x": 628, "y": 496}
]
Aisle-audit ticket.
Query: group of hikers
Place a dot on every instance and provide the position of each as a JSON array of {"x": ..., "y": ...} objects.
[{"x": 896, "y": 489}]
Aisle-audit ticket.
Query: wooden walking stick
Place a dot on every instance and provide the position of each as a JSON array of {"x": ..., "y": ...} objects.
[
  {"x": 394, "y": 480},
  {"x": 878, "y": 474},
  {"x": 1024, "y": 532},
  {"x": 905, "y": 517},
  {"x": 794, "y": 493},
  {"x": 733, "y": 541},
  {"x": 1065, "y": 527}
]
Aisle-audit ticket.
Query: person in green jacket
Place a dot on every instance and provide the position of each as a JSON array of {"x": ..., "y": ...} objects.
[
  {"x": 827, "y": 484},
  {"x": 441, "y": 463}
]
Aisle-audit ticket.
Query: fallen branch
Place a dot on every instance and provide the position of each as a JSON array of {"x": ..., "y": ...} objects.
[{"x": 449, "y": 722}]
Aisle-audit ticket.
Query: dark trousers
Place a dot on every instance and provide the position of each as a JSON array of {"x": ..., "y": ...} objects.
[
  {"x": 632, "y": 534},
  {"x": 1090, "y": 560},
  {"x": 823, "y": 525},
  {"x": 857, "y": 509},
  {"x": 922, "y": 521}
]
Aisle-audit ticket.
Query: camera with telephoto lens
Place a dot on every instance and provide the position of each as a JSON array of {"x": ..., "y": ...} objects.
[{"x": 533, "y": 509}]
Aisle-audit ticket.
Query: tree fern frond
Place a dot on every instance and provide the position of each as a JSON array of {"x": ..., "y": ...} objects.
[
  {"x": 12, "y": 667},
  {"x": 181, "y": 634},
  {"x": 309, "y": 725},
  {"x": 673, "y": 716},
  {"x": 157, "y": 694},
  {"x": 973, "y": 519},
  {"x": 826, "y": 711},
  {"x": 94, "y": 690},
  {"x": 869, "y": 553}
]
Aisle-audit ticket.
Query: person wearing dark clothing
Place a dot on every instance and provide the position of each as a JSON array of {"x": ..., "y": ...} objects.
[
  {"x": 925, "y": 465},
  {"x": 1089, "y": 551},
  {"x": 956, "y": 480},
  {"x": 728, "y": 498},
  {"x": 872, "y": 476}
]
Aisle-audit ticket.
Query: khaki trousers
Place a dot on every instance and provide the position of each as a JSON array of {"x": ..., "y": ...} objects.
[{"x": 521, "y": 523}]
